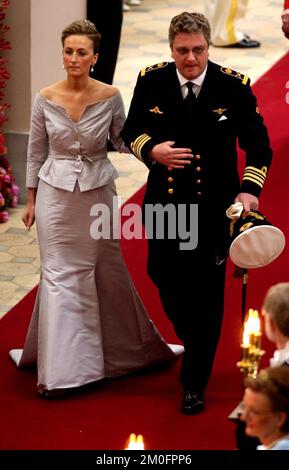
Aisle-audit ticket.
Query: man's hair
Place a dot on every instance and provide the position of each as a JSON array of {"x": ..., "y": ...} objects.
[
  {"x": 276, "y": 305},
  {"x": 189, "y": 23},
  {"x": 82, "y": 27},
  {"x": 273, "y": 382}
]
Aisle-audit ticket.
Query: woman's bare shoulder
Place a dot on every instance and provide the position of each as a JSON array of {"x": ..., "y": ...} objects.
[
  {"x": 103, "y": 91},
  {"x": 50, "y": 91}
]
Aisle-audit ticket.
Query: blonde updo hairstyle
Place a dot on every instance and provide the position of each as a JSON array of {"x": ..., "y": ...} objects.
[{"x": 82, "y": 27}]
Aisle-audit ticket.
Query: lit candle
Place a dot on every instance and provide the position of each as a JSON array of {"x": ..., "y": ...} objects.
[
  {"x": 245, "y": 352},
  {"x": 253, "y": 321},
  {"x": 257, "y": 340},
  {"x": 251, "y": 333},
  {"x": 246, "y": 335},
  {"x": 135, "y": 442},
  {"x": 254, "y": 329},
  {"x": 251, "y": 344},
  {"x": 245, "y": 346}
]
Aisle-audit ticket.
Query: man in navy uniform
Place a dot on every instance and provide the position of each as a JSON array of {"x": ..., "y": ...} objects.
[{"x": 184, "y": 121}]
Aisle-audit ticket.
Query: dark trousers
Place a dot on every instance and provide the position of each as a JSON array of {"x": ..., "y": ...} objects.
[
  {"x": 192, "y": 294},
  {"x": 107, "y": 17}
]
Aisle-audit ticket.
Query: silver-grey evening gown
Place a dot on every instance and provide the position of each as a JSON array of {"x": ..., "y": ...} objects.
[{"x": 88, "y": 320}]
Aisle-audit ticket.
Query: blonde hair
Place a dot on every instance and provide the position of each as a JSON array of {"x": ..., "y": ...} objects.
[
  {"x": 276, "y": 305},
  {"x": 82, "y": 27}
]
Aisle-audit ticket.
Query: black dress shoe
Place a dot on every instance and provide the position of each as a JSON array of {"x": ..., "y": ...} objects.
[
  {"x": 246, "y": 42},
  {"x": 192, "y": 403}
]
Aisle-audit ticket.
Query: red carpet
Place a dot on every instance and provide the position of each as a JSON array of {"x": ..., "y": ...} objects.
[{"x": 103, "y": 416}]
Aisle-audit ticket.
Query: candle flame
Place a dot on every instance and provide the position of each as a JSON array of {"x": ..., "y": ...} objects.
[
  {"x": 135, "y": 442},
  {"x": 251, "y": 326},
  {"x": 251, "y": 345}
]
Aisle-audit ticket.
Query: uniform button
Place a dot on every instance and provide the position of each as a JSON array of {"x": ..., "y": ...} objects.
[
  {"x": 170, "y": 191},
  {"x": 170, "y": 179},
  {"x": 198, "y": 181},
  {"x": 198, "y": 168},
  {"x": 198, "y": 157},
  {"x": 199, "y": 193}
]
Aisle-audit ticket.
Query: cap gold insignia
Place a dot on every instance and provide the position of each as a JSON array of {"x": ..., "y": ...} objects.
[
  {"x": 156, "y": 110},
  {"x": 256, "y": 215},
  {"x": 220, "y": 110},
  {"x": 246, "y": 226},
  {"x": 257, "y": 110}
]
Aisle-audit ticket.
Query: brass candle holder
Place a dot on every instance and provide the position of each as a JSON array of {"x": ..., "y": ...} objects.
[
  {"x": 251, "y": 354},
  {"x": 251, "y": 345}
]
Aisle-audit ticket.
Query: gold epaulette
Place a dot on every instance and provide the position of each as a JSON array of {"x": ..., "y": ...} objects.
[
  {"x": 150, "y": 68},
  {"x": 235, "y": 74}
]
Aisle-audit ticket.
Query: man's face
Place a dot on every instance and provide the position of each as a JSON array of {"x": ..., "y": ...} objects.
[{"x": 190, "y": 53}]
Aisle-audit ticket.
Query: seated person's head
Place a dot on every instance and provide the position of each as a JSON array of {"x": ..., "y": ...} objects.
[
  {"x": 266, "y": 404},
  {"x": 276, "y": 311}
]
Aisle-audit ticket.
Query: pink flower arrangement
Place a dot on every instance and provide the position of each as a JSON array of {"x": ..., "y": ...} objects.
[
  {"x": 4, "y": 216},
  {"x": 8, "y": 188}
]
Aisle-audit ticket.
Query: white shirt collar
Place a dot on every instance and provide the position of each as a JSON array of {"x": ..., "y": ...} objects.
[
  {"x": 280, "y": 356},
  {"x": 196, "y": 81}
]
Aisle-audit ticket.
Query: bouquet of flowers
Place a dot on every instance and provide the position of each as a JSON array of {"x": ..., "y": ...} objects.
[{"x": 8, "y": 189}]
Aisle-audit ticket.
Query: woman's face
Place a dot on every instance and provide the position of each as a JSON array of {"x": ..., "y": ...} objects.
[
  {"x": 260, "y": 420},
  {"x": 78, "y": 55}
]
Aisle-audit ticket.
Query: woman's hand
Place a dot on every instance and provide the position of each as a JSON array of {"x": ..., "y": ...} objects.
[{"x": 28, "y": 216}]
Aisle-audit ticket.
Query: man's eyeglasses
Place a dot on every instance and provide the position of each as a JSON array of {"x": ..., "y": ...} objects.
[{"x": 198, "y": 50}]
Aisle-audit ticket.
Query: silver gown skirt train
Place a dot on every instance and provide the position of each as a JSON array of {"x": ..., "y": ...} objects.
[{"x": 88, "y": 321}]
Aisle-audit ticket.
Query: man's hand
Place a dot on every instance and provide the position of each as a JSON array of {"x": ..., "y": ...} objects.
[
  {"x": 285, "y": 23},
  {"x": 165, "y": 154},
  {"x": 249, "y": 202}
]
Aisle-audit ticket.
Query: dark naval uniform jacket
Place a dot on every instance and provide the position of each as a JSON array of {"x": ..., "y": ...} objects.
[{"x": 225, "y": 113}]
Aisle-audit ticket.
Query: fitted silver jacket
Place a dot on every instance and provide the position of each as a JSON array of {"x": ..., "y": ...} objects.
[{"x": 61, "y": 151}]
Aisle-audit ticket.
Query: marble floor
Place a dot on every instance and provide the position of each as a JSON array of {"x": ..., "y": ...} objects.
[{"x": 144, "y": 42}]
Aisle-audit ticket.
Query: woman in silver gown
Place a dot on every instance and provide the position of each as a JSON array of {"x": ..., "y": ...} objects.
[{"x": 88, "y": 320}]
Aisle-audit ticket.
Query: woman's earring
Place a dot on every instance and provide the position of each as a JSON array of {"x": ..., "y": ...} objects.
[
  {"x": 63, "y": 66},
  {"x": 92, "y": 69}
]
